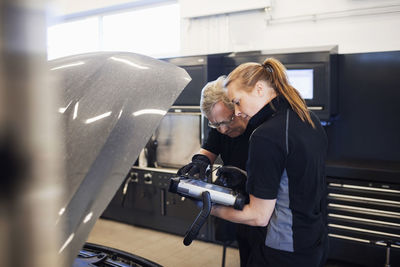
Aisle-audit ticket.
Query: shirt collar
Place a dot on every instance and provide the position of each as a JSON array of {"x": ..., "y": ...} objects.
[{"x": 268, "y": 111}]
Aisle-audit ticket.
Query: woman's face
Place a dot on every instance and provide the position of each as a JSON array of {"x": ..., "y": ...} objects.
[{"x": 247, "y": 104}]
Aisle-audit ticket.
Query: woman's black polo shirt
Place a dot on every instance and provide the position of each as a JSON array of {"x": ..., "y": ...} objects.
[{"x": 287, "y": 162}]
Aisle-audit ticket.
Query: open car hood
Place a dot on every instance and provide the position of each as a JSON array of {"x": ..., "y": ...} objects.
[{"x": 111, "y": 104}]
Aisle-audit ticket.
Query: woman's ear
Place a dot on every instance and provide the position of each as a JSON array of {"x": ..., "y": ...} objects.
[
  {"x": 260, "y": 88},
  {"x": 264, "y": 90}
]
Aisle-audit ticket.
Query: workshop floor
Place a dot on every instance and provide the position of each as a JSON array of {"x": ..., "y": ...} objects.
[
  {"x": 167, "y": 249},
  {"x": 162, "y": 248}
]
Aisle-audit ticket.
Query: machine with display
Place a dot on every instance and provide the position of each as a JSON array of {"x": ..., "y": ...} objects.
[{"x": 312, "y": 71}]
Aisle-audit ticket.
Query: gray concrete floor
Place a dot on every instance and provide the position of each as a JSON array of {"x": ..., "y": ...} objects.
[{"x": 165, "y": 249}]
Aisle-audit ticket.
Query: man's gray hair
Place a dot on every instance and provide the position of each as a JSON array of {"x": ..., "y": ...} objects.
[{"x": 212, "y": 93}]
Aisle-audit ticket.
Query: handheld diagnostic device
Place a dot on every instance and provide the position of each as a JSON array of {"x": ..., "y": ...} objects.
[{"x": 208, "y": 194}]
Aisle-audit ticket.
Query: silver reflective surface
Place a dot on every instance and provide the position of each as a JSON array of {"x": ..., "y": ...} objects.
[
  {"x": 178, "y": 138},
  {"x": 111, "y": 105}
]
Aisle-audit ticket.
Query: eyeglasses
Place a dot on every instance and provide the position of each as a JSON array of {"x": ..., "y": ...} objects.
[{"x": 222, "y": 123}]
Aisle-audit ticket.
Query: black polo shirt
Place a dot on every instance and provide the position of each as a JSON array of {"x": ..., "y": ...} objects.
[
  {"x": 287, "y": 163},
  {"x": 233, "y": 151}
]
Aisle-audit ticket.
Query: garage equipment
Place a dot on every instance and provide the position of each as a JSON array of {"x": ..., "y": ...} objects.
[{"x": 209, "y": 194}]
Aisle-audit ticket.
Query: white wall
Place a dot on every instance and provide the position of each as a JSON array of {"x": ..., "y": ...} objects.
[{"x": 354, "y": 25}]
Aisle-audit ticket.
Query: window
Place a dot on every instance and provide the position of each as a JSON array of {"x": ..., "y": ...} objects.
[
  {"x": 75, "y": 37},
  {"x": 153, "y": 31}
]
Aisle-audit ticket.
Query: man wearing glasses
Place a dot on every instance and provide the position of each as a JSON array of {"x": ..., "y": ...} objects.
[{"x": 229, "y": 138}]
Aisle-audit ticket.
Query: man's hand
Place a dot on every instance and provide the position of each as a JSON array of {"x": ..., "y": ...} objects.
[
  {"x": 232, "y": 177},
  {"x": 197, "y": 168}
]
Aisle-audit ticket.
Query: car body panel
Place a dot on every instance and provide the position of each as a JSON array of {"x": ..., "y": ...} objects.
[{"x": 111, "y": 104}]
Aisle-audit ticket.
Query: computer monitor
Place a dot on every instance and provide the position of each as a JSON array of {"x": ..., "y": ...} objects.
[{"x": 303, "y": 81}]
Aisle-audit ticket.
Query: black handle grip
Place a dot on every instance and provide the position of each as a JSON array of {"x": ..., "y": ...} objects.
[{"x": 200, "y": 219}]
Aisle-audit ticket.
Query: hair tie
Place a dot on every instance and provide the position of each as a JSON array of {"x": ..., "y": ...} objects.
[{"x": 267, "y": 67}]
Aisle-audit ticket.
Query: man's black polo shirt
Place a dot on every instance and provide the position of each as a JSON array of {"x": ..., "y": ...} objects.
[
  {"x": 233, "y": 151},
  {"x": 287, "y": 163}
]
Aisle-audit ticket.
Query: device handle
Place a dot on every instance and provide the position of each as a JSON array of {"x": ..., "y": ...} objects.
[{"x": 200, "y": 219}]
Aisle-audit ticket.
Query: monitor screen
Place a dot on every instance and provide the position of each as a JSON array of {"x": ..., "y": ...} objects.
[{"x": 302, "y": 80}]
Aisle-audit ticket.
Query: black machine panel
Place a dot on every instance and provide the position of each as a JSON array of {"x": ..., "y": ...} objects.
[
  {"x": 144, "y": 200},
  {"x": 191, "y": 94},
  {"x": 367, "y": 127},
  {"x": 196, "y": 67},
  {"x": 319, "y": 66},
  {"x": 364, "y": 161},
  {"x": 201, "y": 69}
]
